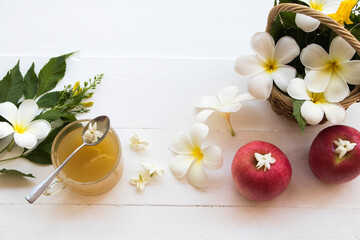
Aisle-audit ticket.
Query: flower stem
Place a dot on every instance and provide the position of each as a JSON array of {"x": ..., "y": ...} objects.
[
  {"x": 228, "y": 121},
  {"x": 8, "y": 146},
  {"x": 12, "y": 158}
]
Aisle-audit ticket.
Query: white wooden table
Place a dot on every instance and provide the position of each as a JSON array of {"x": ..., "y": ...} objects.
[{"x": 159, "y": 58}]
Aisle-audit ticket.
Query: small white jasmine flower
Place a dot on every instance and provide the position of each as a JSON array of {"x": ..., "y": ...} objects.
[
  {"x": 138, "y": 144},
  {"x": 315, "y": 105},
  {"x": 151, "y": 168},
  {"x": 141, "y": 180},
  {"x": 227, "y": 101},
  {"x": 193, "y": 156},
  {"x": 264, "y": 161},
  {"x": 92, "y": 134},
  {"x": 330, "y": 73},
  {"x": 26, "y": 132},
  {"x": 343, "y": 146},
  {"x": 268, "y": 65}
]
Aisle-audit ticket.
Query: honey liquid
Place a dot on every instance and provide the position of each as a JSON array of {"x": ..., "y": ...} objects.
[{"x": 91, "y": 163}]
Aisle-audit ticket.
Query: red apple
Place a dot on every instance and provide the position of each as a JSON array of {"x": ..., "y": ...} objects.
[
  {"x": 260, "y": 183},
  {"x": 326, "y": 164}
]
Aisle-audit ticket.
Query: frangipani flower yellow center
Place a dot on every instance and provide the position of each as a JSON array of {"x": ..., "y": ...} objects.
[
  {"x": 270, "y": 65},
  {"x": 197, "y": 153},
  {"x": 318, "y": 6},
  {"x": 317, "y": 98},
  {"x": 343, "y": 13}
]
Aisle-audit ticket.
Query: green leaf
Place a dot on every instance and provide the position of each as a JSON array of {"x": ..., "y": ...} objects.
[
  {"x": 50, "y": 115},
  {"x": 288, "y": 19},
  {"x": 49, "y": 100},
  {"x": 297, "y": 113},
  {"x": 52, "y": 73},
  {"x": 31, "y": 83},
  {"x": 11, "y": 86},
  {"x": 15, "y": 172},
  {"x": 39, "y": 156}
]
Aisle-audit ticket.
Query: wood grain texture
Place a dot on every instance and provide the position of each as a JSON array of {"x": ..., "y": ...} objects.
[{"x": 159, "y": 59}]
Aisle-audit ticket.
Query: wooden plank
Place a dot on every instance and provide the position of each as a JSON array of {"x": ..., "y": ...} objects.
[
  {"x": 150, "y": 222},
  {"x": 215, "y": 29}
]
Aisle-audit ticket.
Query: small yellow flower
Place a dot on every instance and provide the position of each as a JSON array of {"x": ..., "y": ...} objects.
[
  {"x": 343, "y": 13},
  {"x": 87, "y": 104},
  {"x": 77, "y": 92},
  {"x": 76, "y": 86}
]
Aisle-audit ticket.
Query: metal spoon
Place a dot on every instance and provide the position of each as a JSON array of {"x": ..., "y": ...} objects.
[{"x": 103, "y": 125}]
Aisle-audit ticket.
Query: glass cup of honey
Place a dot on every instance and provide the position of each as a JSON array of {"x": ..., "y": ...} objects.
[{"x": 93, "y": 169}]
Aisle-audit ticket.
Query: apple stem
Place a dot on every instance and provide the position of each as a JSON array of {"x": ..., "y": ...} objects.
[{"x": 227, "y": 118}]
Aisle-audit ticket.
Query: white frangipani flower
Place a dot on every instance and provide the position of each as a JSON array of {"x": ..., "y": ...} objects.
[
  {"x": 227, "y": 101},
  {"x": 26, "y": 133},
  {"x": 193, "y": 156},
  {"x": 343, "y": 146},
  {"x": 268, "y": 65},
  {"x": 309, "y": 24},
  {"x": 264, "y": 160},
  {"x": 141, "y": 179},
  {"x": 138, "y": 144},
  {"x": 315, "y": 104},
  {"x": 92, "y": 134},
  {"x": 152, "y": 168},
  {"x": 330, "y": 73}
]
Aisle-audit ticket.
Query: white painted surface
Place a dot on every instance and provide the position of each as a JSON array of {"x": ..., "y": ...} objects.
[{"x": 159, "y": 58}]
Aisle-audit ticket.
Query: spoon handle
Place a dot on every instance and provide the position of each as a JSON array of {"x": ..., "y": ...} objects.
[{"x": 40, "y": 188}]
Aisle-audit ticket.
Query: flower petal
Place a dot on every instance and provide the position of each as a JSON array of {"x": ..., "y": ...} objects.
[
  {"x": 260, "y": 86},
  {"x": 212, "y": 157},
  {"x": 248, "y": 65},
  {"x": 227, "y": 95},
  {"x": 27, "y": 111},
  {"x": 5, "y": 129},
  {"x": 286, "y": 50},
  {"x": 230, "y": 108},
  {"x": 297, "y": 89},
  {"x": 198, "y": 133},
  {"x": 283, "y": 75},
  {"x": 337, "y": 89},
  {"x": 312, "y": 112},
  {"x": 306, "y": 23},
  {"x": 244, "y": 97},
  {"x": 203, "y": 115},
  {"x": 314, "y": 56},
  {"x": 181, "y": 144},
  {"x": 340, "y": 50},
  {"x": 197, "y": 176},
  {"x": 334, "y": 112},
  {"x": 350, "y": 71},
  {"x": 208, "y": 102},
  {"x": 263, "y": 45},
  {"x": 181, "y": 164},
  {"x": 8, "y": 111},
  {"x": 39, "y": 128},
  {"x": 318, "y": 80},
  {"x": 25, "y": 140}
]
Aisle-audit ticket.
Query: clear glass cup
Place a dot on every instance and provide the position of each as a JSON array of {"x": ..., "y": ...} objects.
[{"x": 93, "y": 187}]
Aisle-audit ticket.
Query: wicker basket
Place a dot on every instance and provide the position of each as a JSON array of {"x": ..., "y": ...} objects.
[{"x": 282, "y": 103}]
